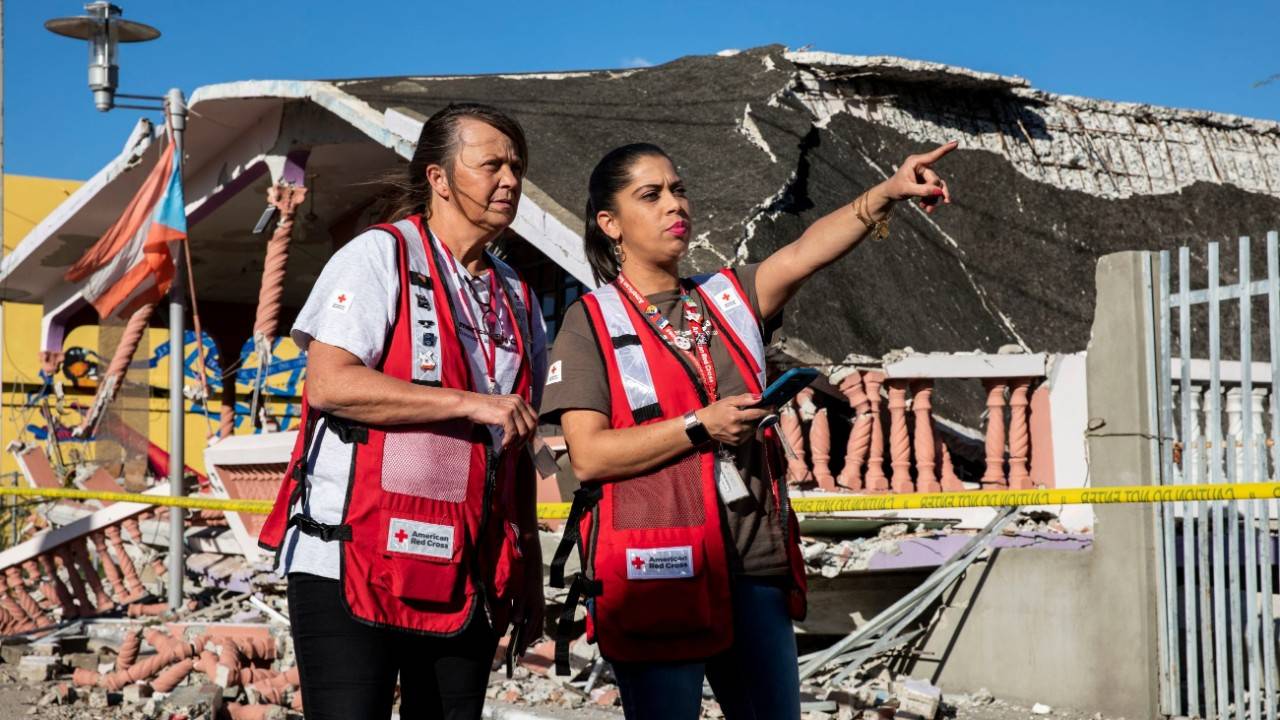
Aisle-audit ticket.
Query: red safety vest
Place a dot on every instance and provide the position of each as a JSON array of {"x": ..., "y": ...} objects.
[
  {"x": 652, "y": 546},
  {"x": 430, "y": 527}
]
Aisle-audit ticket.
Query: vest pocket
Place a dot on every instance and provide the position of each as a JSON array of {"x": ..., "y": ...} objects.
[
  {"x": 662, "y": 588},
  {"x": 422, "y": 556},
  {"x": 508, "y": 569},
  {"x": 428, "y": 461}
]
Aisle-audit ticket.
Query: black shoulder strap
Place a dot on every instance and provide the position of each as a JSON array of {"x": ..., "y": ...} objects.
[{"x": 585, "y": 498}]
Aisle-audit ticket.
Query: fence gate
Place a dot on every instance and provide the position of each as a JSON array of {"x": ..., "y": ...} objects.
[{"x": 1218, "y": 414}]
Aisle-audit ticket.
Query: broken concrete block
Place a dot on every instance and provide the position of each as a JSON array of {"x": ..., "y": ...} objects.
[
  {"x": 99, "y": 698},
  {"x": 137, "y": 693},
  {"x": 37, "y": 668},
  {"x": 582, "y": 653},
  {"x": 918, "y": 698},
  {"x": 540, "y": 658},
  {"x": 64, "y": 693},
  {"x": 605, "y": 697},
  {"x": 236, "y": 711},
  {"x": 86, "y": 660},
  {"x": 195, "y": 701},
  {"x": 12, "y": 650},
  {"x": 46, "y": 647}
]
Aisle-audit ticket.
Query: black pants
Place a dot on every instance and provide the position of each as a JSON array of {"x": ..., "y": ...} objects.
[{"x": 349, "y": 669}]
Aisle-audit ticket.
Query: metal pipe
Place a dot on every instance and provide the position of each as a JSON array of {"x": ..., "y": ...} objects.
[
  {"x": 1160, "y": 405},
  {"x": 1247, "y": 475},
  {"x": 177, "y": 110},
  {"x": 1214, "y": 428},
  {"x": 1190, "y": 458},
  {"x": 1273, "y": 326}
]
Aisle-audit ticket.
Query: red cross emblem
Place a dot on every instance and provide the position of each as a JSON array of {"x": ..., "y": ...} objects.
[
  {"x": 637, "y": 563},
  {"x": 725, "y": 296},
  {"x": 401, "y": 535},
  {"x": 343, "y": 298}
]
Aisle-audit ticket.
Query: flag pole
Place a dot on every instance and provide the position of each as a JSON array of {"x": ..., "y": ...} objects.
[{"x": 177, "y": 110}]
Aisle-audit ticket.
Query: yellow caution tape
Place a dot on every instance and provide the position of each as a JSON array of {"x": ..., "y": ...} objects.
[
  {"x": 197, "y": 502},
  {"x": 805, "y": 505}
]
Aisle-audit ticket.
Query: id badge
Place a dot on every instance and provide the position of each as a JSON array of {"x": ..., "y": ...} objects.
[{"x": 729, "y": 480}]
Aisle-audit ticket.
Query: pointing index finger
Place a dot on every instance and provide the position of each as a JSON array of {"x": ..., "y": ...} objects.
[{"x": 938, "y": 153}]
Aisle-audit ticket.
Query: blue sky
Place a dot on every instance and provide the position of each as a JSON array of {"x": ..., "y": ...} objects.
[{"x": 1178, "y": 53}]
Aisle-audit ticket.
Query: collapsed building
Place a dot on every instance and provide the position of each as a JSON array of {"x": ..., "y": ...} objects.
[{"x": 281, "y": 173}]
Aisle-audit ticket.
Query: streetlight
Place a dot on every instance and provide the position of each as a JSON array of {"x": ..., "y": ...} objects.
[{"x": 104, "y": 29}]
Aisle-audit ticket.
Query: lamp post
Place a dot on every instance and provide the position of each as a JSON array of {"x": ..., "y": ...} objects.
[{"x": 104, "y": 30}]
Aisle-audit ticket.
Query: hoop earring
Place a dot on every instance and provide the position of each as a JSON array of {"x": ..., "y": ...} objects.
[{"x": 618, "y": 253}]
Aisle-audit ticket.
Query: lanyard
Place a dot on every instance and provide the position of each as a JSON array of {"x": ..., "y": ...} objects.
[
  {"x": 700, "y": 330},
  {"x": 488, "y": 344}
]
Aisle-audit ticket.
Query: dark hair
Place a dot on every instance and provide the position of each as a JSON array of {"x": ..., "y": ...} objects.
[
  {"x": 610, "y": 175},
  {"x": 438, "y": 145}
]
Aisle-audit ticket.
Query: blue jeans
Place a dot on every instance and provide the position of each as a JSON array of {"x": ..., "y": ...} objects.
[{"x": 756, "y": 677}]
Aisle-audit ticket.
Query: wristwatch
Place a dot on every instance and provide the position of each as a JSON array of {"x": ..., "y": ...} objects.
[{"x": 696, "y": 431}]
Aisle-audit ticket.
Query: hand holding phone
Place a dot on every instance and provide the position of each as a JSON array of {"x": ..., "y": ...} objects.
[{"x": 786, "y": 387}]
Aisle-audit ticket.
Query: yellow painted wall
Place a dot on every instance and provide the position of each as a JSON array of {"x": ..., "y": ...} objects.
[{"x": 27, "y": 200}]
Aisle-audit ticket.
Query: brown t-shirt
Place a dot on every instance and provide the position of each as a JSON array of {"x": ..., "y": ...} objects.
[{"x": 757, "y": 546}]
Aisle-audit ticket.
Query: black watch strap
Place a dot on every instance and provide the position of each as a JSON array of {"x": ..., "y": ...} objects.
[{"x": 696, "y": 431}]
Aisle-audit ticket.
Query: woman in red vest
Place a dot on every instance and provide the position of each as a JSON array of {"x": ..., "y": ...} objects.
[
  {"x": 690, "y": 553},
  {"x": 406, "y": 522}
]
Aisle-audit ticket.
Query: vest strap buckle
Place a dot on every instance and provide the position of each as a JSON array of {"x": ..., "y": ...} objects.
[{"x": 324, "y": 531}]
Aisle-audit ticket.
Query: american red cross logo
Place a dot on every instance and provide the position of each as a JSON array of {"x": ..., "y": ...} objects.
[
  {"x": 342, "y": 297},
  {"x": 637, "y": 562},
  {"x": 401, "y": 535},
  {"x": 725, "y": 296}
]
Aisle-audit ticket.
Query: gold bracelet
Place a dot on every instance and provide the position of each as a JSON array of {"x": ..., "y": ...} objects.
[{"x": 879, "y": 229}]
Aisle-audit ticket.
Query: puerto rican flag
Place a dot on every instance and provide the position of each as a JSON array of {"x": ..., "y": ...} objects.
[{"x": 131, "y": 265}]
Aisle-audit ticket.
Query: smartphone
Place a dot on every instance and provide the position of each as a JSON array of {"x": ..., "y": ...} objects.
[{"x": 786, "y": 386}]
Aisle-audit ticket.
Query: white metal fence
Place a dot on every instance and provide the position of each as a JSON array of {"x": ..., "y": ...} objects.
[{"x": 1218, "y": 421}]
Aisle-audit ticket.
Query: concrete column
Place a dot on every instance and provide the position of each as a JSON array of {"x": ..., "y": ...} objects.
[{"x": 1092, "y": 613}]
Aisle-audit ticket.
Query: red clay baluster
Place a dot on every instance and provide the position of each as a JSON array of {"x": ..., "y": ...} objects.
[
  {"x": 793, "y": 436},
  {"x": 994, "y": 477},
  {"x": 859, "y": 433},
  {"x": 820, "y": 445},
  {"x": 1019, "y": 435},
  {"x": 926, "y": 450},
  {"x": 876, "y": 480},
  {"x": 899, "y": 439}
]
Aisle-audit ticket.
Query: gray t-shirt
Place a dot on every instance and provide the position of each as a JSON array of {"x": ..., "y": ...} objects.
[{"x": 352, "y": 306}]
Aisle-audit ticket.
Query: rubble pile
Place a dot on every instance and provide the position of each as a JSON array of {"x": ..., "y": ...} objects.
[
  {"x": 830, "y": 558},
  {"x": 533, "y": 682},
  {"x": 126, "y": 669}
]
